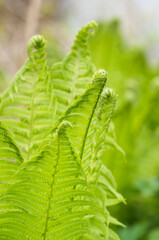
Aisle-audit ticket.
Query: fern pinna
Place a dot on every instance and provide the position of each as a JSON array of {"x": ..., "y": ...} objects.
[{"x": 53, "y": 183}]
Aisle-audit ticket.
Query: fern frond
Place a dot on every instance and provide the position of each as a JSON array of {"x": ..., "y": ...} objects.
[
  {"x": 43, "y": 202},
  {"x": 71, "y": 77},
  {"x": 98, "y": 175},
  {"x": 90, "y": 116},
  {"x": 10, "y": 157},
  {"x": 26, "y": 107}
]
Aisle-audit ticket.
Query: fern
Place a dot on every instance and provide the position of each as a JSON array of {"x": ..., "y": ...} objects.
[{"x": 54, "y": 184}]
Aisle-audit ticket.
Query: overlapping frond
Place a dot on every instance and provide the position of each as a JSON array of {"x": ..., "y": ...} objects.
[
  {"x": 26, "y": 107},
  {"x": 50, "y": 197},
  {"x": 96, "y": 139},
  {"x": 71, "y": 77},
  {"x": 81, "y": 112},
  {"x": 90, "y": 116},
  {"x": 10, "y": 157}
]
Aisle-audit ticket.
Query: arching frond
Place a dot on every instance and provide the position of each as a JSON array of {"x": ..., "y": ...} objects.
[
  {"x": 26, "y": 106},
  {"x": 81, "y": 112},
  {"x": 96, "y": 138},
  {"x": 88, "y": 136},
  {"x": 71, "y": 77},
  {"x": 98, "y": 175}
]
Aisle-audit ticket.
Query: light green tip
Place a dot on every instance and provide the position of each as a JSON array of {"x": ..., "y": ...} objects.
[
  {"x": 92, "y": 26},
  {"x": 100, "y": 74},
  {"x": 109, "y": 93},
  {"x": 37, "y": 42}
]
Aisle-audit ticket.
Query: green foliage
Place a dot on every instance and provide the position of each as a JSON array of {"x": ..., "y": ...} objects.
[
  {"x": 136, "y": 121},
  {"x": 53, "y": 183}
]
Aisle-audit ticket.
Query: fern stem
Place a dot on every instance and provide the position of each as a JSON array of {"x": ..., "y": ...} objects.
[
  {"x": 85, "y": 136},
  {"x": 31, "y": 119},
  {"x": 51, "y": 191}
]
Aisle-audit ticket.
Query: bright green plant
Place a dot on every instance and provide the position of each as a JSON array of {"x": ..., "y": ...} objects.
[{"x": 53, "y": 129}]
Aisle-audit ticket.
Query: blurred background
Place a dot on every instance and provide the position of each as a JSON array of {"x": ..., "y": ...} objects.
[{"x": 127, "y": 46}]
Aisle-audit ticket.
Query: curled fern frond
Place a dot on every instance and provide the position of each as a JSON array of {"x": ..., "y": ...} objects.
[
  {"x": 98, "y": 175},
  {"x": 35, "y": 43},
  {"x": 80, "y": 43},
  {"x": 27, "y": 105}
]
